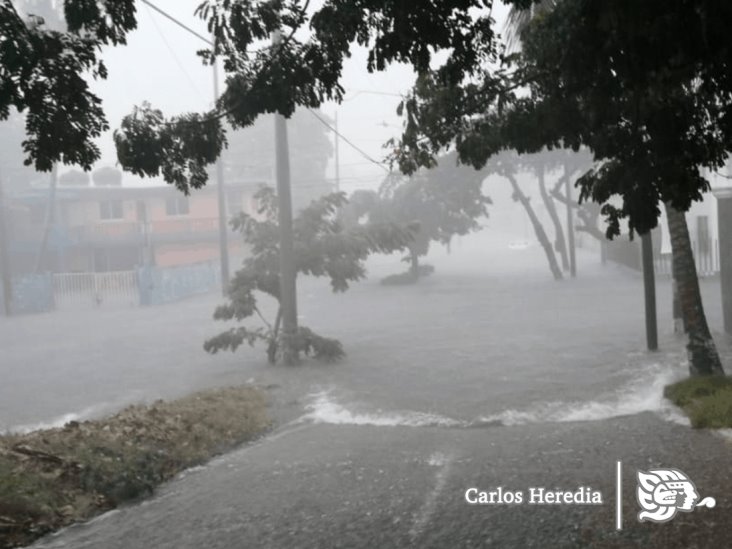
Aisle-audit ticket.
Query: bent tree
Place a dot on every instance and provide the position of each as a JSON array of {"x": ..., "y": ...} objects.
[
  {"x": 644, "y": 86},
  {"x": 439, "y": 203}
]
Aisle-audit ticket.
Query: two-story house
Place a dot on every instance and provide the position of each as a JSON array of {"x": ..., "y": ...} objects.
[{"x": 100, "y": 229}]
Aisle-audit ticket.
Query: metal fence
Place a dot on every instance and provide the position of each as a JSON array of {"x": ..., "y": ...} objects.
[
  {"x": 706, "y": 257},
  {"x": 81, "y": 290}
]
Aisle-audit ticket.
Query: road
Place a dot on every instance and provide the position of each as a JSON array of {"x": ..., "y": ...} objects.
[{"x": 486, "y": 374}]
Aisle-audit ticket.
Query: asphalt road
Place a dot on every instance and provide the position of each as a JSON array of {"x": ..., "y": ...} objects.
[
  {"x": 325, "y": 486},
  {"x": 487, "y": 374}
]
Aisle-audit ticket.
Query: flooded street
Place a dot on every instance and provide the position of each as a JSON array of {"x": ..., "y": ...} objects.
[{"x": 385, "y": 443}]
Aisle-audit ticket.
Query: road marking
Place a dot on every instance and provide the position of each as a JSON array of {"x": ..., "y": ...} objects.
[
  {"x": 619, "y": 495},
  {"x": 429, "y": 506}
]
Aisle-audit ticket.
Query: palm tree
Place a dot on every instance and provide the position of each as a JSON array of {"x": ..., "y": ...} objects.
[
  {"x": 702, "y": 351},
  {"x": 703, "y": 355}
]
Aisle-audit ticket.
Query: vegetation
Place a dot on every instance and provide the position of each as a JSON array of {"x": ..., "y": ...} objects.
[
  {"x": 440, "y": 203},
  {"x": 107, "y": 177},
  {"x": 51, "y": 478},
  {"x": 323, "y": 248},
  {"x": 706, "y": 400},
  {"x": 644, "y": 87},
  {"x": 652, "y": 109},
  {"x": 74, "y": 178}
]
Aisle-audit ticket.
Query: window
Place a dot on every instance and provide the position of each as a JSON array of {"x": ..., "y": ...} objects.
[
  {"x": 177, "y": 205},
  {"x": 111, "y": 209}
]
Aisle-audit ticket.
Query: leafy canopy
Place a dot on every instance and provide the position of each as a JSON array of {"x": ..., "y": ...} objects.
[
  {"x": 43, "y": 71},
  {"x": 645, "y": 86},
  {"x": 303, "y": 69}
]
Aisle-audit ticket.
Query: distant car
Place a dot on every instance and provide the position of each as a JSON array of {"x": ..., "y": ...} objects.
[{"x": 518, "y": 244}]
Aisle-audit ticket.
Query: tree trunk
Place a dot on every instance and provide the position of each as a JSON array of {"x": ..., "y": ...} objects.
[
  {"x": 538, "y": 229},
  {"x": 702, "y": 352},
  {"x": 273, "y": 346},
  {"x": 559, "y": 242},
  {"x": 678, "y": 317},
  {"x": 414, "y": 263}
]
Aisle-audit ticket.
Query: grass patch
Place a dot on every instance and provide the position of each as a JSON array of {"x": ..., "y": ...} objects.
[
  {"x": 706, "y": 400},
  {"x": 52, "y": 478}
]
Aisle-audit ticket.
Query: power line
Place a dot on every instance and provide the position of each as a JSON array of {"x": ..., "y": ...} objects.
[
  {"x": 348, "y": 142},
  {"x": 172, "y": 52},
  {"x": 209, "y": 42},
  {"x": 177, "y": 22},
  {"x": 265, "y": 67},
  {"x": 356, "y": 93}
]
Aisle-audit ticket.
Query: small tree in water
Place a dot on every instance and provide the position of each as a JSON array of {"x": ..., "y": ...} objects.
[{"x": 323, "y": 248}]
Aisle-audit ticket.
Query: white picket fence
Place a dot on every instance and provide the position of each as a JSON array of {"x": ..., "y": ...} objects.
[{"x": 88, "y": 290}]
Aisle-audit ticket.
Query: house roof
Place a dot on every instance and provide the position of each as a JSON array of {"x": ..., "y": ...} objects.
[{"x": 67, "y": 193}]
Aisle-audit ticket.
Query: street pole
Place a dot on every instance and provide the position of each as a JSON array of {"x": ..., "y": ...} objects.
[
  {"x": 337, "y": 157},
  {"x": 649, "y": 286},
  {"x": 288, "y": 273},
  {"x": 50, "y": 219},
  {"x": 221, "y": 192},
  {"x": 570, "y": 227},
  {"x": 5, "y": 273}
]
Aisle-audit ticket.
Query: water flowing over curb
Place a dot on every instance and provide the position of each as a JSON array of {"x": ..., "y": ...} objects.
[{"x": 642, "y": 393}]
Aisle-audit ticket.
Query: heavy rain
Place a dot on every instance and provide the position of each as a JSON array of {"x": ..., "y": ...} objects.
[{"x": 366, "y": 274}]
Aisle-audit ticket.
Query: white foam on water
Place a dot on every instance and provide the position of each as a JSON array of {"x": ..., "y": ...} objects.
[
  {"x": 438, "y": 459},
  {"x": 643, "y": 393},
  {"x": 56, "y": 422},
  {"x": 323, "y": 409}
]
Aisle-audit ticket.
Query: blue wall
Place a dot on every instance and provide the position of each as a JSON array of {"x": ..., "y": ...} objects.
[
  {"x": 164, "y": 285},
  {"x": 32, "y": 293}
]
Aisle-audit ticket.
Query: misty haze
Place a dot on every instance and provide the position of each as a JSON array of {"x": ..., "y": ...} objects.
[{"x": 369, "y": 274}]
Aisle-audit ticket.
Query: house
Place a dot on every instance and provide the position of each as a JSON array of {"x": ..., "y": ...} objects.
[{"x": 103, "y": 229}]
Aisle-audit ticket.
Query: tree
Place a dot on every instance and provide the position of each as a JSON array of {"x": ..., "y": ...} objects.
[
  {"x": 644, "y": 86},
  {"x": 440, "y": 203},
  {"x": 323, "y": 248},
  {"x": 74, "y": 178},
  {"x": 507, "y": 165},
  {"x": 303, "y": 70},
  {"x": 107, "y": 177},
  {"x": 43, "y": 77}
]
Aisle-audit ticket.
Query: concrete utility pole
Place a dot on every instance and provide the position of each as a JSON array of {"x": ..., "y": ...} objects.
[
  {"x": 337, "y": 156},
  {"x": 570, "y": 227},
  {"x": 223, "y": 234},
  {"x": 50, "y": 219},
  {"x": 288, "y": 274},
  {"x": 5, "y": 273},
  {"x": 649, "y": 286}
]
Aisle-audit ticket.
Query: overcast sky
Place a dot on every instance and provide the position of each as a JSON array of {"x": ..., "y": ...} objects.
[{"x": 159, "y": 64}]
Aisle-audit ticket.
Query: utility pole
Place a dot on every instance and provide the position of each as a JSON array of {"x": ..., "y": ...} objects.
[
  {"x": 649, "y": 287},
  {"x": 5, "y": 273},
  {"x": 221, "y": 192},
  {"x": 570, "y": 226},
  {"x": 337, "y": 156},
  {"x": 50, "y": 219},
  {"x": 288, "y": 273}
]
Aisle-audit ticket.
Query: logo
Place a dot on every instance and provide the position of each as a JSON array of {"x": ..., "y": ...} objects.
[{"x": 663, "y": 492}]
